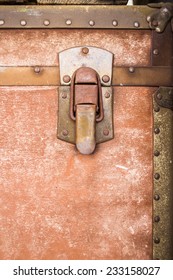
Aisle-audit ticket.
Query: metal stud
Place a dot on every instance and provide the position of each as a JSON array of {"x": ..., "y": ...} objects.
[
  {"x": 155, "y": 51},
  {"x": 23, "y": 22},
  {"x": 114, "y": 22},
  {"x": 107, "y": 94},
  {"x": 136, "y": 24},
  {"x": 157, "y": 176},
  {"x": 46, "y": 22},
  {"x": 159, "y": 96},
  {"x": 37, "y": 70},
  {"x": 65, "y": 132},
  {"x": 156, "y": 130},
  {"x": 131, "y": 69},
  {"x": 156, "y": 197},
  {"x": 85, "y": 50},
  {"x": 106, "y": 132},
  {"x": 157, "y": 219},
  {"x": 2, "y": 22},
  {"x": 91, "y": 22},
  {"x": 64, "y": 95},
  {"x": 157, "y": 109},
  {"x": 156, "y": 240},
  {"x": 156, "y": 153},
  {"x": 68, "y": 22},
  {"x": 66, "y": 79},
  {"x": 105, "y": 78}
]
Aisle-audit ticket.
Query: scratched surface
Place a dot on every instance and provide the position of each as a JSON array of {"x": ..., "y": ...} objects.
[
  {"x": 54, "y": 202},
  {"x": 58, "y": 204}
]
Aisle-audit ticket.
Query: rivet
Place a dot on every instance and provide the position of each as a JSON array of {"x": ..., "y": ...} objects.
[
  {"x": 46, "y": 22},
  {"x": 158, "y": 29},
  {"x": 23, "y": 22},
  {"x": 91, "y": 22},
  {"x": 157, "y": 240},
  {"x": 156, "y": 153},
  {"x": 37, "y": 70},
  {"x": 156, "y": 197},
  {"x": 157, "y": 109},
  {"x": 155, "y": 51},
  {"x": 156, "y": 130},
  {"x": 85, "y": 50},
  {"x": 157, "y": 176},
  {"x": 105, "y": 78},
  {"x": 157, "y": 219},
  {"x": 106, "y": 132},
  {"x": 154, "y": 23},
  {"x": 68, "y": 22},
  {"x": 131, "y": 69},
  {"x": 64, "y": 95},
  {"x": 65, "y": 132},
  {"x": 66, "y": 79},
  {"x": 159, "y": 96},
  {"x": 136, "y": 24},
  {"x": 2, "y": 22},
  {"x": 114, "y": 22},
  {"x": 107, "y": 94}
]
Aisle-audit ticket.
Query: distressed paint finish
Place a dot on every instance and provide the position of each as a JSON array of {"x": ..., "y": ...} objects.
[
  {"x": 59, "y": 204},
  {"x": 40, "y": 47}
]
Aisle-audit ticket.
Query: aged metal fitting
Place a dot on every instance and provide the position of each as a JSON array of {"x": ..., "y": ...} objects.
[
  {"x": 157, "y": 176},
  {"x": 23, "y": 22},
  {"x": 85, "y": 50},
  {"x": 156, "y": 240},
  {"x": 65, "y": 132},
  {"x": 136, "y": 24},
  {"x": 91, "y": 22},
  {"x": 37, "y": 70},
  {"x": 2, "y": 22},
  {"x": 159, "y": 96},
  {"x": 155, "y": 51},
  {"x": 157, "y": 109},
  {"x": 156, "y": 197},
  {"x": 46, "y": 22},
  {"x": 157, "y": 219},
  {"x": 107, "y": 94},
  {"x": 156, "y": 153},
  {"x": 131, "y": 69},
  {"x": 106, "y": 132},
  {"x": 64, "y": 95},
  {"x": 105, "y": 78},
  {"x": 66, "y": 79},
  {"x": 164, "y": 97},
  {"x": 114, "y": 22},
  {"x": 156, "y": 130},
  {"x": 68, "y": 22}
]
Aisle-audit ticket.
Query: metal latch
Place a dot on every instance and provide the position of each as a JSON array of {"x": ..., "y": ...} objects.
[{"x": 85, "y": 115}]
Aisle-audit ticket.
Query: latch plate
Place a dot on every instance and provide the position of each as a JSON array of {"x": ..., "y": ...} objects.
[{"x": 66, "y": 126}]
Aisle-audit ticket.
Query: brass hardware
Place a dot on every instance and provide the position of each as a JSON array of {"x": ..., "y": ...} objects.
[
  {"x": 85, "y": 105},
  {"x": 164, "y": 97}
]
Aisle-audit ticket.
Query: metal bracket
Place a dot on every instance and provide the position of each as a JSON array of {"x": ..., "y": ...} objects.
[
  {"x": 70, "y": 61},
  {"x": 164, "y": 97},
  {"x": 158, "y": 20}
]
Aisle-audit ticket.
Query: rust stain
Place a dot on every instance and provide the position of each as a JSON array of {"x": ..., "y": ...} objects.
[{"x": 59, "y": 204}]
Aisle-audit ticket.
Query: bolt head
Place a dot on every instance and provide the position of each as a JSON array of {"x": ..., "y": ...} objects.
[
  {"x": 105, "y": 78},
  {"x": 23, "y": 22},
  {"x": 107, "y": 94},
  {"x": 156, "y": 153},
  {"x": 91, "y": 22},
  {"x": 157, "y": 176},
  {"x": 136, "y": 24},
  {"x": 155, "y": 51},
  {"x": 85, "y": 50},
  {"x": 65, "y": 132},
  {"x": 66, "y": 79},
  {"x": 114, "y": 22},
  {"x": 46, "y": 22},
  {"x": 37, "y": 70},
  {"x": 106, "y": 132},
  {"x": 156, "y": 130},
  {"x": 131, "y": 69},
  {"x": 156, "y": 219},
  {"x": 68, "y": 22},
  {"x": 2, "y": 22},
  {"x": 156, "y": 240},
  {"x": 156, "y": 197}
]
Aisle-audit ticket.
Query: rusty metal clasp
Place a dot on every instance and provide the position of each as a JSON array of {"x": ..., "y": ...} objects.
[{"x": 85, "y": 113}]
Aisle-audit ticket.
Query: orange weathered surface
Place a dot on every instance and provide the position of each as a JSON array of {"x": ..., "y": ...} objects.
[{"x": 55, "y": 202}]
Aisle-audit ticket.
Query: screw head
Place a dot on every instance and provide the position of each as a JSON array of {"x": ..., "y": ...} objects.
[
  {"x": 156, "y": 153},
  {"x": 23, "y": 22},
  {"x": 157, "y": 176},
  {"x": 105, "y": 78},
  {"x": 155, "y": 51},
  {"x": 136, "y": 24},
  {"x": 64, "y": 95},
  {"x": 65, "y": 132},
  {"x": 156, "y": 219},
  {"x": 91, "y": 22},
  {"x": 68, "y": 22},
  {"x": 156, "y": 240},
  {"x": 37, "y": 70},
  {"x": 85, "y": 50},
  {"x": 156, "y": 197},
  {"x": 159, "y": 96},
  {"x": 114, "y": 22},
  {"x": 131, "y": 69},
  {"x": 106, "y": 132},
  {"x": 156, "y": 109},
  {"x": 107, "y": 94},
  {"x": 2, "y": 22},
  {"x": 46, "y": 22},
  {"x": 66, "y": 79},
  {"x": 156, "y": 130}
]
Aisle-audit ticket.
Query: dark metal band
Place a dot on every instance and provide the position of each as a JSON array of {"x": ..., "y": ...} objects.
[{"x": 66, "y": 2}]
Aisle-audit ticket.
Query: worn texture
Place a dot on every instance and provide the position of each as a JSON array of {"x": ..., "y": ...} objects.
[{"x": 59, "y": 204}]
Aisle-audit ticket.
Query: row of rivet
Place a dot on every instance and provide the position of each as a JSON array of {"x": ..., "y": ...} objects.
[
  {"x": 68, "y": 22},
  {"x": 156, "y": 175}
]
